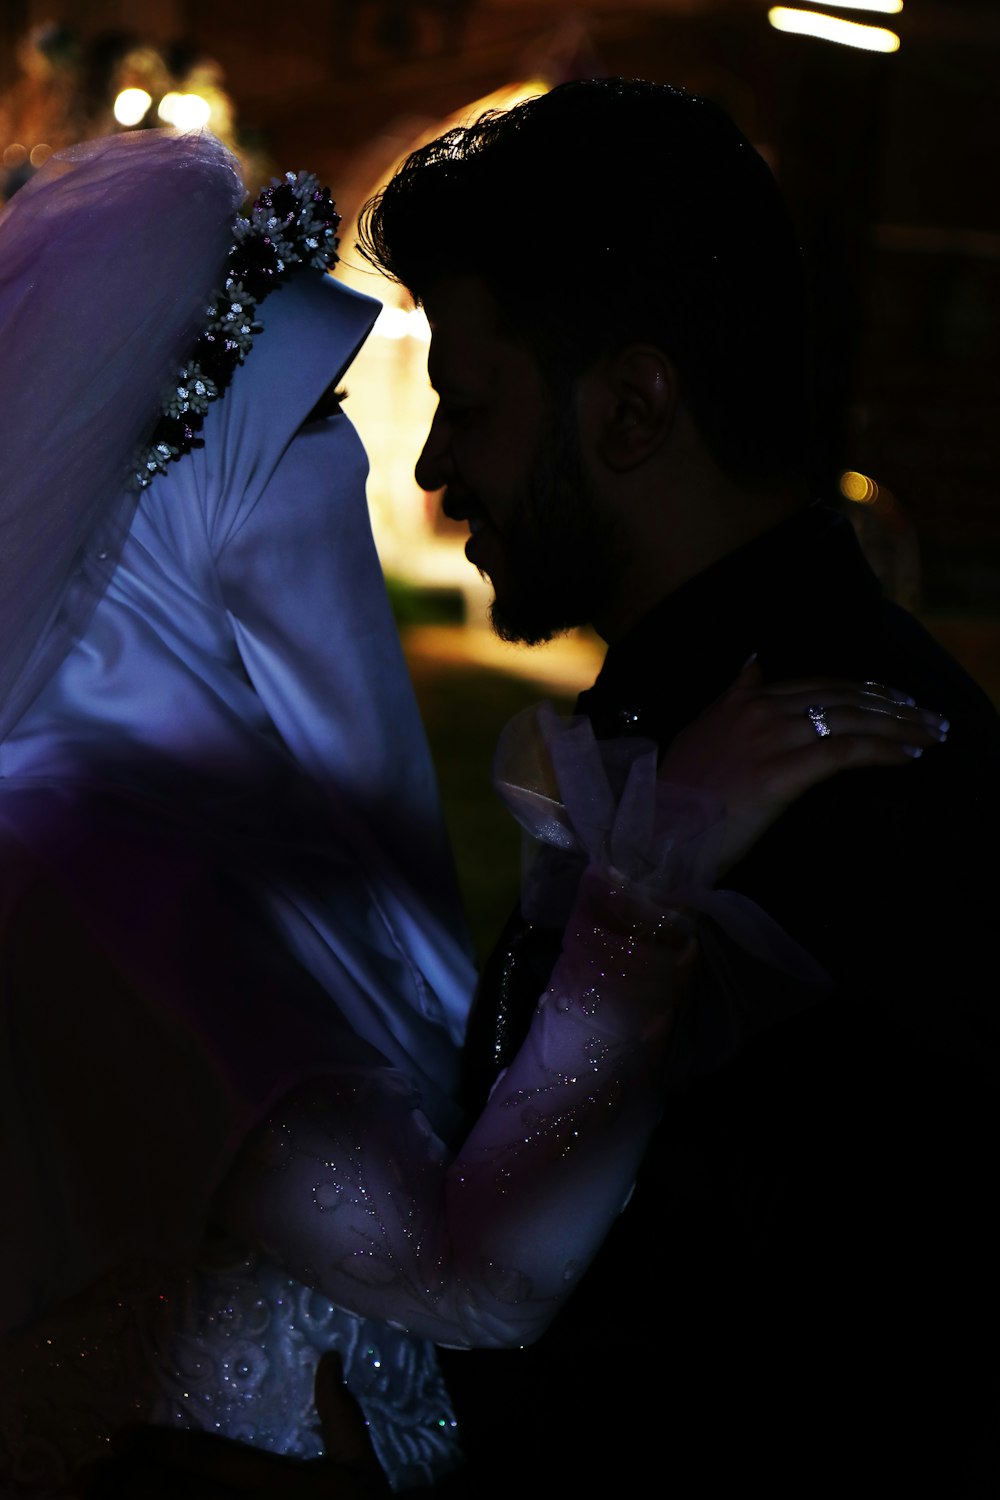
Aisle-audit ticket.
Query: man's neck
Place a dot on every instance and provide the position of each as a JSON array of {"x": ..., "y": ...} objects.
[{"x": 684, "y": 539}]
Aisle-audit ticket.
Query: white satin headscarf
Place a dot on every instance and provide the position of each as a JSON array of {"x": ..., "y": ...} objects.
[{"x": 246, "y": 637}]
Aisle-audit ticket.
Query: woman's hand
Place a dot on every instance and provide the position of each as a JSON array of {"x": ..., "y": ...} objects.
[{"x": 761, "y": 745}]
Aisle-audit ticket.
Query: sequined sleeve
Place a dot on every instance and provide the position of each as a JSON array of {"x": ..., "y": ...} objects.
[{"x": 349, "y": 1188}]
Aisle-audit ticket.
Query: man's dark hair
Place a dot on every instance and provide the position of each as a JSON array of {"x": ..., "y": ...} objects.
[{"x": 610, "y": 210}]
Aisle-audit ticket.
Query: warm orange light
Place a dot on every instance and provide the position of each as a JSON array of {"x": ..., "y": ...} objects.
[
  {"x": 858, "y": 487},
  {"x": 390, "y": 399}
]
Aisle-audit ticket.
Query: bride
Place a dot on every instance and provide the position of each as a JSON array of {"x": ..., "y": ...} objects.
[{"x": 235, "y": 973}]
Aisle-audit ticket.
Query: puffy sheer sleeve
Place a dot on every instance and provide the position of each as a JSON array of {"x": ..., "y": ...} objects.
[
  {"x": 348, "y": 1186},
  {"x": 350, "y": 1189}
]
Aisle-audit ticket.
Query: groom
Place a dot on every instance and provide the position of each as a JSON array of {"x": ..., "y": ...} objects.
[{"x": 802, "y": 1296}]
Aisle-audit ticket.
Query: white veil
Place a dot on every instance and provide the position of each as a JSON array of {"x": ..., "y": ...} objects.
[{"x": 94, "y": 315}]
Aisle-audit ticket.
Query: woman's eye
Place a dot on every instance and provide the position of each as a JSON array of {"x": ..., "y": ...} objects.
[{"x": 328, "y": 405}]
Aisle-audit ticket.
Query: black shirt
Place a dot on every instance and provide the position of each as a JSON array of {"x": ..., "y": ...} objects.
[{"x": 802, "y": 1293}]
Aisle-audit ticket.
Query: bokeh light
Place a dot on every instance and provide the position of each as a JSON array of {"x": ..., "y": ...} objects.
[
  {"x": 131, "y": 106},
  {"x": 184, "y": 111},
  {"x": 858, "y": 487}
]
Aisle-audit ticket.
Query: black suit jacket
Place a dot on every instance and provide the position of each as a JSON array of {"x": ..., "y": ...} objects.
[{"x": 802, "y": 1294}]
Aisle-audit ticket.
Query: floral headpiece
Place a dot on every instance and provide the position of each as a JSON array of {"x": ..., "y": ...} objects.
[{"x": 292, "y": 224}]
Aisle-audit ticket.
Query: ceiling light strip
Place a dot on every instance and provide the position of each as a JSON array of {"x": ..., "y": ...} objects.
[{"x": 833, "y": 29}]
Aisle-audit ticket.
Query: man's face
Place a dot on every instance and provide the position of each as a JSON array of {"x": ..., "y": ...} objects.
[{"x": 508, "y": 456}]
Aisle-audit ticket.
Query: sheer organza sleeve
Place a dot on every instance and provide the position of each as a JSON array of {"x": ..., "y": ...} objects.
[{"x": 350, "y": 1189}]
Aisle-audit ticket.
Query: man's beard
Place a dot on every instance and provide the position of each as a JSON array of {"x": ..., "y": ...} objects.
[{"x": 562, "y": 558}]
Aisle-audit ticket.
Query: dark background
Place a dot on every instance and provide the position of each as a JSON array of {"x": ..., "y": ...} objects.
[{"x": 890, "y": 163}]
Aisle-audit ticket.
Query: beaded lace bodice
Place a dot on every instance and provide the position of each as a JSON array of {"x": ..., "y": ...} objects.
[
  {"x": 349, "y": 1187},
  {"x": 231, "y": 1348}
]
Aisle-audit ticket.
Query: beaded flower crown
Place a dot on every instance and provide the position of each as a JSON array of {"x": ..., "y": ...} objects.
[{"x": 292, "y": 224}]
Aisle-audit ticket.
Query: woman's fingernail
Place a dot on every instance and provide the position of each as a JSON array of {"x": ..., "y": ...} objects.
[
  {"x": 936, "y": 722},
  {"x": 913, "y": 750},
  {"x": 893, "y": 693}
]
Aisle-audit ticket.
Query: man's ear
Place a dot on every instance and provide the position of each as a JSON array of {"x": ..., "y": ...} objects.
[{"x": 637, "y": 402}]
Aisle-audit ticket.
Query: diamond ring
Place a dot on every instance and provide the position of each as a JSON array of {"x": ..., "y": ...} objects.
[{"x": 817, "y": 717}]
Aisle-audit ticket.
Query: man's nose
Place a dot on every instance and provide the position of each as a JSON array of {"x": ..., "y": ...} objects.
[{"x": 432, "y": 470}]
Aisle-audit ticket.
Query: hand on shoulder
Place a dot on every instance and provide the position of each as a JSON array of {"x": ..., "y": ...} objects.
[{"x": 761, "y": 745}]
